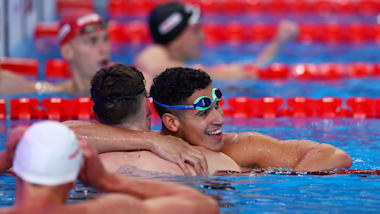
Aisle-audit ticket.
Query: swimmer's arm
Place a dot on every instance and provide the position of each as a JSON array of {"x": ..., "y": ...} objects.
[
  {"x": 13, "y": 83},
  {"x": 7, "y": 155},
  {"x": 109, "y": 139},
  {"x": 286, "y": 31},
  {"x": 255, "y": 149}
]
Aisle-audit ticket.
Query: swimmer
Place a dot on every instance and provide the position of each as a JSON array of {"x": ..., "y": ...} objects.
[
  {"x": 177, "y": 89},
  {"x": 6, "y": 156},
  {"x": 47, "y": 164},
  {"x": 84, "y": 44},
  {"x": 120, "y": 101},
  {"x": 178, "y": 37}
]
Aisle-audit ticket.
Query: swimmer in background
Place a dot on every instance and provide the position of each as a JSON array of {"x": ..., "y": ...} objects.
[
  {"x": 178, "y": 37},
  {"x": 84, "y": 44},
  {"x": 47, "y": 164},
  {"x": 200, "y": 127}
]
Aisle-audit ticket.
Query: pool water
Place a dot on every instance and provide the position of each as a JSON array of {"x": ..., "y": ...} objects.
[{"x": 271, "y": 193}]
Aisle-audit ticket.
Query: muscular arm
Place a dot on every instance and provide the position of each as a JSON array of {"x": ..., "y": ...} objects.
[
  {"x": 108, "y": 139},
  {"x": 286, "y": 31},
  {"x": 255, "y": 149},
  {"x": 13, "y": 83}
]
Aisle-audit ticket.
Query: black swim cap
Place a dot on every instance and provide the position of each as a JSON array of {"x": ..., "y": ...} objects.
[{"x": 167, "y": 21}]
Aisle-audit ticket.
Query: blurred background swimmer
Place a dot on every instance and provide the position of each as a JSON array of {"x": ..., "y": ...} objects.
[
  {"x": 48, "y": 160},
  {"x": 84, "y": 44},
  {"x": 178, "y": 37}
]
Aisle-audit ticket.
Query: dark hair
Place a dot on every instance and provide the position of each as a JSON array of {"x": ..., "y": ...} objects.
[
  {"x": 117, "y": 91},
  {"x": 175, "y": 85}
]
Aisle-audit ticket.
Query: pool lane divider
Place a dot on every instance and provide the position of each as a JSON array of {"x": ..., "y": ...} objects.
[
  {"x": 278, "y": 171},
  {"x": 58, "y": 68},
  {"x": 127, "y": 8},
  {"x": 57, "y": 108},
  {"x": 137, "y": 32}
]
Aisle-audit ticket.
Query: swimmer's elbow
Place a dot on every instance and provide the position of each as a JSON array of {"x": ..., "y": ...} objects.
[{"x": 343, "y": 160}]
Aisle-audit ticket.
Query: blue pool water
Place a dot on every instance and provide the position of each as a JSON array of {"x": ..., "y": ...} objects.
[{"x": 273, "y": 193}]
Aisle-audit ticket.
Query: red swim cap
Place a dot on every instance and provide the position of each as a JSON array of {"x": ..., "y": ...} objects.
[{"x": 79, "y": 23}]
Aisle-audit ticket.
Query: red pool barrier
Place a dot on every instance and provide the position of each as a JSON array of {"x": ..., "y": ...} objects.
[
  {"x": 300, "y": 107},
  {"x": 136, "y": 32},
  {"x": 328, "y": 106},
  {"x": 57, "y": 68},
  {"x": 359, "y": 69},
  {"x": 274, "y": 71},
  {"x": 290, "y": 172},
  {"x": 268, "y": 107},
  {"x": 3, "y": 112},
  {"x": 46, "y": 29},
  {"x": 377, "y": 107},
  {"x": 66, "y": 6},
  {"x": 82, "y": 108},
  {"x": 213, "y": 33},
  {"x": 23, "y": 66},
  {"x": 305, "y": 71},
  {"x": 309, "y": 32},
  {"x": 234, "y": 32},
  {"x": 331, "y": 70},
  {"x": 259, "y": 32},
  {"x": 24, "y": 108},
  {"x": 57, "y": 108},
  {"x": 242, "y": 107},
  {"x": 361, "y": 107},
  {"x": 154, "y": 112}
]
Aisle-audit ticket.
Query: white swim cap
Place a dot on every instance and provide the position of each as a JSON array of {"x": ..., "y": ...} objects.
[{"x": 48, "y": 154}]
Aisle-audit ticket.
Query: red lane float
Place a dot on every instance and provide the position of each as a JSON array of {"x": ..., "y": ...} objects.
[
  {"x": 319, "y": 7},
  {"x": 3, "y": 112},
  {"x": 23, "y": 66},
  {"x": 300, "y": 107},
  {"x": 268, "y": 107},
  {"x": 46, "y": 29},
  {"x": 242, "y": 107},
  {"x": 24, "y": 108},
  {"x": 328, "y": 106},
  {"x": 361, "y": 107},
  {"x": 82, "y": 108},
  {"x": 67, "y": 6},
  {"x": 57, "y": 108},
  {"x": 274, "y": 71},
  {"x": 57, "y": 68}
]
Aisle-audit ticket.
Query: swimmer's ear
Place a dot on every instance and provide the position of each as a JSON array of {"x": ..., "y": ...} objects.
[
  {"x": 66, "y": 52},
  {"x": 171, "y": 122}
]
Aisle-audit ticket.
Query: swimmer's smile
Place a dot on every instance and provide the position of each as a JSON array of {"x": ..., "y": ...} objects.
[{"x": 218, "y": 134}]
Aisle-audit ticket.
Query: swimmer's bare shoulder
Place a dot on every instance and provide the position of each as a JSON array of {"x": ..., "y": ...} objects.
[{"x": 144, "y": 160}]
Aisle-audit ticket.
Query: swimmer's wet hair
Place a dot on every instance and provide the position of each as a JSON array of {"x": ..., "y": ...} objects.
[
  {"x": 175, "y": 85},
  {"x": 117, "y": 92}
]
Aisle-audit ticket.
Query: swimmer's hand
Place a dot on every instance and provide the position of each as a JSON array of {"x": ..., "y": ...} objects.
[
  {"x": 92, "y": 172},
  {"x": 176, "y": 150},
  {"x": 13, "y": 138},
  {"x": 286, "y": 30}
]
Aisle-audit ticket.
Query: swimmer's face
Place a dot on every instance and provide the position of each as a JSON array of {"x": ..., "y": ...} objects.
[
  {"x": 89, "y": 52},
  {"x": 203, "y": 128},
  {"x": 191, "y": 41}
]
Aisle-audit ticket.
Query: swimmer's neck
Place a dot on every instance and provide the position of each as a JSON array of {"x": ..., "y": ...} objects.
[
  {"x": 46, "y": 196},
  {"x": 138, "y": 125},
  {"x": 175, "y": 54}
]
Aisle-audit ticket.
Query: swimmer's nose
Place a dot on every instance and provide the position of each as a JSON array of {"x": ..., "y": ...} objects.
[{"x": 218, "y": 116}]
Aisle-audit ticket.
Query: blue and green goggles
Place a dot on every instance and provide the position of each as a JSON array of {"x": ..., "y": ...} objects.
[{"x": 201, "y": 103}]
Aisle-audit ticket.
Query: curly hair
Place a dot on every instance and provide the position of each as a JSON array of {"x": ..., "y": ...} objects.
[
  {"x": 175, "y": 85},
  {"x": 117, "y": 91}
]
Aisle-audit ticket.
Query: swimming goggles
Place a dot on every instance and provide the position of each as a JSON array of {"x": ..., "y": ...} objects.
[
  {"x": 201, "y": 103},
  {"x": 89, "y": 28}
]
